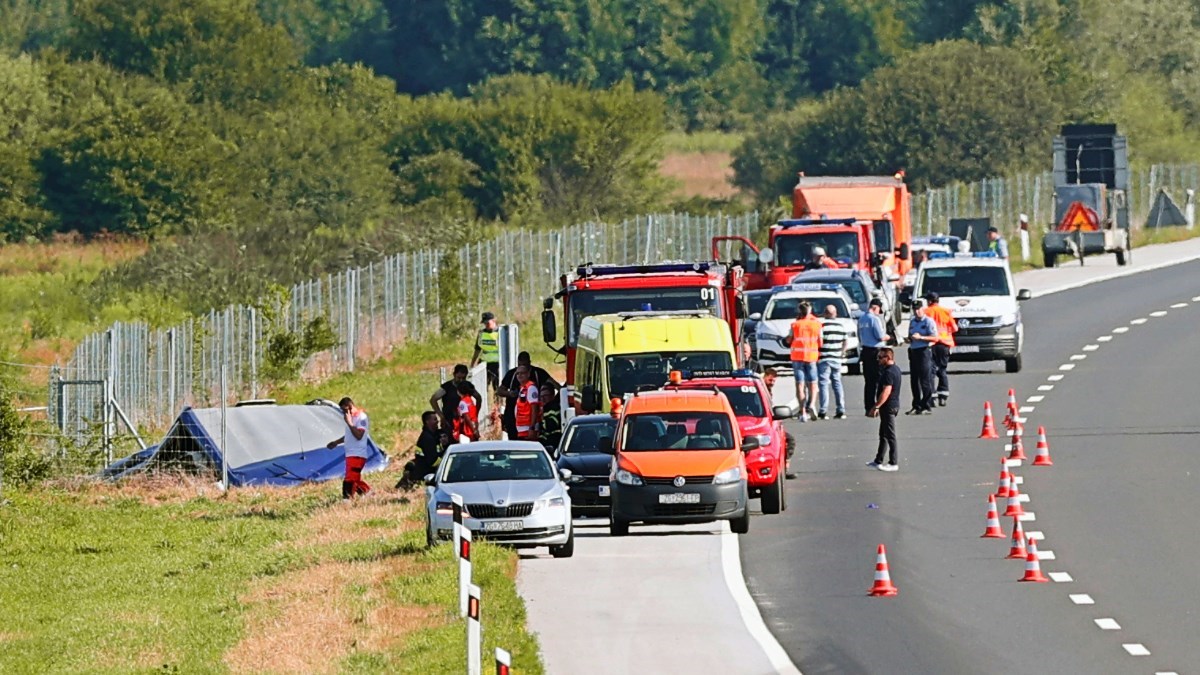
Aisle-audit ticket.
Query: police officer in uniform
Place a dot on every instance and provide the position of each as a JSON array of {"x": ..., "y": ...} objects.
[{"x": 487, "y": 349}]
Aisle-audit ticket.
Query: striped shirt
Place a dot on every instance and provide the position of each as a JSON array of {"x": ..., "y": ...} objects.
[{"x": 833, "y": 339}]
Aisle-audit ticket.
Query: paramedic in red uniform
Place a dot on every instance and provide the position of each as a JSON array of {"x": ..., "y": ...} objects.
[
  {"x": 529, "y": 406},
  {"x": 358, "y": 445}
]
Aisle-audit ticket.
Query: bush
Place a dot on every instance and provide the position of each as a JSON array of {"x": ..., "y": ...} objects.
[{"x": 20, "y": 463}]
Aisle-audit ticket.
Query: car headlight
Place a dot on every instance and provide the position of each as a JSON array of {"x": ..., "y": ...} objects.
[
  {"x": 548, "y": 503},
  {"x": 1008, "y": 319},
  {"x": 728, "y": 476},
  {"x": 576, "y": 478},
  {"x": 628, "y": 478},
  {"x": 447, "y": 509}
]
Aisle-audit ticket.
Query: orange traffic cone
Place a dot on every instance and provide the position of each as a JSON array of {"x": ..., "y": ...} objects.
[
  {"x": 1014, "y": 501},
  {"x": 1043, "y": 450},
  {"x": 1010, "y": 409},
  {"x": 1018, "y": 447},
  {"x": 1005, "y": 488},
  {"x": 1033, "y": 569},
  {"x": 993, "y": 530},
  {"x": 883, "y": 580},
  {"x": 989, "y": 425},
  {"x": 1017, "y": 550}
]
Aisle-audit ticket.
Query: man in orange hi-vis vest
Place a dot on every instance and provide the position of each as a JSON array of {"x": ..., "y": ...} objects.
[
  {"x": 805, "y": 342},
  {"x": 947, "y": 327}
]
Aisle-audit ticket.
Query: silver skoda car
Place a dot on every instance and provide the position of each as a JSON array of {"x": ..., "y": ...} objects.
[{"x": 511, "y": 493}]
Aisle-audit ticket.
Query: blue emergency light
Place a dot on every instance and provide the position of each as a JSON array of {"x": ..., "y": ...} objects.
[
  {"x": 801, "y": 222},
  {"x": 941, "y": 255},
  {"x": 666, "y": 268}
]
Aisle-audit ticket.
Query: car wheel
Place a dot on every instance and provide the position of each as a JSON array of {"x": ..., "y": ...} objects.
[
  {"x": 617, "y": 527},
  {"x": 741, "y": 524},
  {"x": 1121, "y": 257},
  {"x": 566, "y": 550},
  {"x": 1049, "y": 259},
  {"x": 772, "y": 497},
  {"x": 1013, "y": 365}
]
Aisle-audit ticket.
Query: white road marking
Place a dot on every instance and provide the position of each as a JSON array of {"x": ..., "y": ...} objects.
[
  {"x": 1035, "y": 399},
  {"x": 1046, "y": 555},
  {"x": 1161, "y": 312},
  {"x": 1196, "y": 299},
  {"x": 1078, "y": 357},
  {"x": 1035, "y": 535},
  {"x": 1121, "y": 329},
  {"x": 1104, "y": 338},
  {"x": 1055, "y": 378},
  {"x": 1179, "y": 305},
  {"x": 1061, "y": 577},
  {"x": 1166, "y": 672},
  {"x": 1045, "y": 387},
  {"x": 1027, "y": 517},
  {"x": 1026, "y": 408},
  {"x": 1018, "y": 480},
  {"x": 1067, "y": 366},
  {"x": 732, "y": 565},
  {"x": 1108, "y": 624},
  {"x": 1011, "y": 463},
  {"x": 1138, "y": 322},
  {"x": 1082, "y": 599},
  {"x": 1022, "y": 498},
  {"x": 1090, "y": 348},
  {"x": 1136, "y": 649}
]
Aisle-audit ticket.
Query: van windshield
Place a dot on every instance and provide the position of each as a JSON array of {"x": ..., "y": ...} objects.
[
  {"x": 628, "y": 373},
  {"x": 964, "y": 281},
  {"x": 677, "y": 431},
  {"x": 670, "y": 299}
]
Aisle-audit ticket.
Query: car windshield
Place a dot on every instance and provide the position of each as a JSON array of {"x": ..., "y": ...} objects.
[
  {"x": 471, "y": 467},
  {"x": 796, "y": 249},
  {"x": 584, "y": 438},
  {"x": 757, "y": 302},
  {"x": 591, "y": 303},
  {"x": 964, "y": 281},
  {"x": 677, "y": 431},
  {"x": 628, "y": 373},
  {"x": 855, "y": 289},
  {"x": 785, "y": 308},
  {"x": 745, "y": 400}
]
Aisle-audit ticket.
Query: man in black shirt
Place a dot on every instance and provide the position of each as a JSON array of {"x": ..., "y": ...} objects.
[
  {"x": 430, "y": 449},
  {"x": 887, "y": 406},
  {"x": 447, "y": 394},
  {"x": 509, "y": 388}
]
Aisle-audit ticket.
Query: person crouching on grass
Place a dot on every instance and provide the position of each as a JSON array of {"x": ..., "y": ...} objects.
[{"x": 358, "y": 444}]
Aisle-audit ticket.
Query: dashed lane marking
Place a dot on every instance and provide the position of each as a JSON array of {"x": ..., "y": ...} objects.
[
  {"x": 1011, "y": 463},
  {"x": 1161, "y": 312},
  {"x": 1026, "y": 409},
  {"x": 1179, "y": 305},
  {"x": 1121, "y": 329},
  {"x": 1045, "y": 555},
  {"x": 1138, "y": 322},
  {"x": 1027, "y": 517},
  {"x": 1055, "y": 378},
  {"x": 1108, "y": 624},
  {"x": 1067, "y": 366},
  {"x": 1136, "y": 649},
  {"x": 1090, "y": 348},
  {"x": 1045, "y": 387},
  {"x": 1061, "y": 577},
  {"x": 1082, "y": 599},
  {"x": 1036, "y": 535},
  {"x": 1022, "y": 498},
  {"x": 1035, "y": 399},
  {"x": 1104, "y": 338},
  {"x": 1078, "y": 357},
  {"x": 1196, "y": 299},
  {"x": 1018, "y": 480}
]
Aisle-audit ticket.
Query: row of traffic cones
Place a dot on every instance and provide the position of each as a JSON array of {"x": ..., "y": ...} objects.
[{"x": 1017, "y": 430}]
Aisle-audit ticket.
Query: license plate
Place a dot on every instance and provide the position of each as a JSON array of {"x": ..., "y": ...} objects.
[
  {"x": 503, "y": 525},
  {"x": 965, "y": 349},
  {"x": 603, "y": 490},
  {"x": 679, "y": 498}
]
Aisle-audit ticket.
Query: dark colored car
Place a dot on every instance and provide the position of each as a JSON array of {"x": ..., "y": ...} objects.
[{"x": 580, "y": 452}]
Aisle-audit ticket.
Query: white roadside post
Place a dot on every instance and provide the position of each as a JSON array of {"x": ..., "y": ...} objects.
[
  {"x": 464, "y": 572},
  {"x": 456, "y": 507},
  {"x": 503, "y": 662},
  {"x": 474, "y": 637},
  {"x": 1189, "y": 209},
  {"x": 1024, "y": 237}
]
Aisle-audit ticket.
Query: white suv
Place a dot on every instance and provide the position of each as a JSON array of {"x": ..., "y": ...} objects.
[
  {"x": 775, "y": 323},
  {"x": 978, "y": 291}
]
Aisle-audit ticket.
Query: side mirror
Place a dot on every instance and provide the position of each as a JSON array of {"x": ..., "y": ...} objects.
[
  {"x": 903, "y": 252},
  {"x": 589, "y": 399},
  {"x": 564, "y": 474},
  {"x": 782, "y": 412},
  {"x": 750, "y": 443},
  {"x": 766, "y": 256},
  {"x": 1024, "y": 294},
  {"x": 757, "y": 316},
  {"x": 605, "y": 445},
  {"x": 549, "y": 326},
  {"x": 430, "y": 479}
]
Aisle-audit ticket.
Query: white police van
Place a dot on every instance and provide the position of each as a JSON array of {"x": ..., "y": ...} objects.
[{"x": 977, "y": 289}]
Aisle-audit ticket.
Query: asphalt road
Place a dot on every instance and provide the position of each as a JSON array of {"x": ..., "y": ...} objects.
[{"x": 1115, "y": 509}]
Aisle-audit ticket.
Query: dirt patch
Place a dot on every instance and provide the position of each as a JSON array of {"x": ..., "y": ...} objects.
[
  {"x": 308, "y": 621},
  {"x": 357, "y": 521},
  {"x": 701, "y": 174},
  {"x": 175, "y": 488}
]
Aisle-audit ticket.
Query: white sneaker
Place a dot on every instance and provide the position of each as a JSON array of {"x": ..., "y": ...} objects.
[{"x": 889, "y": 467}]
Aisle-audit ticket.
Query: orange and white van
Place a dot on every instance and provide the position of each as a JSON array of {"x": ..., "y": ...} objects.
[{"x": 678, "y": 458}]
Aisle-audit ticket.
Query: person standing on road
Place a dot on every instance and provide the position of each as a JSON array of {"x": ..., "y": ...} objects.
[
  {"x": 996, "y": 243},
  {"x": 805, "y": 343},
  {"x": 510, "y": 387},
  {"x": 886, "y": 407},
  {"x": 528, "y": 407},
  {"x": 872, "y": 336},
  {"x": 922, "y": 333},
  {"x": 829, "y": 367},
  {"x": 487, "y": 349},
  {"x": 358, "y": 447},
  {"x": 946, "y": 328}
]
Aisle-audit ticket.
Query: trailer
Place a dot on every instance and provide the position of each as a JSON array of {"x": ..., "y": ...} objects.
[{"x": 1091, "y": 206}]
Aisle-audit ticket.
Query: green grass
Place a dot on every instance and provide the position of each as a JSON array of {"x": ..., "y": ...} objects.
[{"x": 701, "y": 141}]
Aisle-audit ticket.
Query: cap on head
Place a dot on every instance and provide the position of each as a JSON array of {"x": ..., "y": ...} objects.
[
  {"x": 993, "y": 230},
  {"x": 817, "y": 250},
  {"x": 487, "y": 316},
  {"x": 918, "y": 304}
]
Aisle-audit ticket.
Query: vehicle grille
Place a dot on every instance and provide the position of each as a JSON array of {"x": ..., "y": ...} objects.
[
  {"x": 684, "y": 509},
  {"x": 492, "y": 511},
  {"x": 532, "y": 533},
  {"x": 979, "y": 331},
  {"x": 691, "y": 480}
]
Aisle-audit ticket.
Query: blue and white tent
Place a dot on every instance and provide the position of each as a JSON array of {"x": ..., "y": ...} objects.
[{"x": 266, "y": 445}]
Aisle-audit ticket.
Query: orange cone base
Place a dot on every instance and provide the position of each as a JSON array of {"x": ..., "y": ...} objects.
[
  {"x": 1035, "y": 575},
  {"x": 1018, "y": 452},
  {"x": 993, "y": 532},
  {"x": 883, "y": 588},
  {"x": 989, "y": 431},
  {"x": 1014, "y": 510},
  {"x": 1042, "y": 460}
]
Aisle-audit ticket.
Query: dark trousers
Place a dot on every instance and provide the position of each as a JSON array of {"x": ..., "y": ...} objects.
[
  {"x": 941, "y": 361},
  {"x": 920, "y": 378},
  {"x": 870, "y": 370},
  {"x": 887, "y": 436}
]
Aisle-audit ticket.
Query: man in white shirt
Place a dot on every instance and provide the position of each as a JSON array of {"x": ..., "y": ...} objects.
[{"x": 358, "y": 447}]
